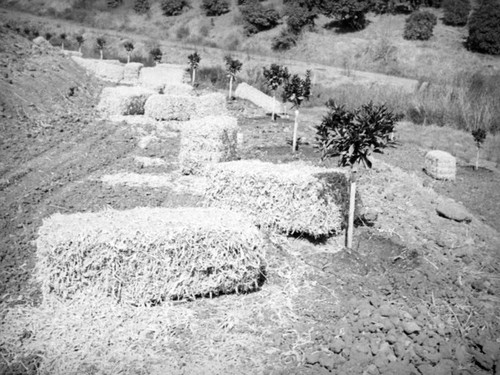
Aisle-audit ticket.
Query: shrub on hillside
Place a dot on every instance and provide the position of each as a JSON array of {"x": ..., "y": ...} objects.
[
  {"x": 420, "y": 25},
  {"x": 284, "y": 41},
  {"x": 456, "y": 12},
  {"x": 351, "y": 13},
  {"x": 258, "y": 18},
  {"x": 484, "y": 28},
  {"x": 397, "y": 6},
  {"x": 114, "y": 3},
  {"x": 215, "y": 7},
  {"x": 141, "y": 6},
  {"x": 300, "y": 14},
  {"x": 173, "y": 7}
]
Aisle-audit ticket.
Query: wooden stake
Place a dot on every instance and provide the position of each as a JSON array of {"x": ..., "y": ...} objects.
[
  {"x": 352, "y": 205},
  {"x": 295, "y": 127}
]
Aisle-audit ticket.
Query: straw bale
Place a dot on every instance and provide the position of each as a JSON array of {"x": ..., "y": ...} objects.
[
  {"x": 123, "y": 100},
  {"x": 107, "y": 70},
  {"x": 292, "y": 198},
  {"x": 245, "y": 91},
  {"x": 212, "y": 139},
  {"x": 131, "y": 72},
  {"x": 147, "y": 255},
  {"x": 440, "y": 165},
  {"x": 213, "y": 104},
  {"x": 162, "y": 75},
  {"x": 165, "y": 107}
]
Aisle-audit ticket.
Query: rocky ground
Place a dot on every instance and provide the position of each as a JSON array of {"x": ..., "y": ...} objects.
[{"x": 418, "y": 294}]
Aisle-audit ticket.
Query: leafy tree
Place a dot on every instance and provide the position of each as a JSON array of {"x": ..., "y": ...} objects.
[
  {"x": 484, "y": 28},
  {"x": 354, "y": 136},
  {"x": 456, "y": 12},
  {"x": 156, "y": 54},
  {"x": 399, "y": 6},
  {"x": 114, "y": 3},
  {"x": 479, "y": 138},
  {"x": 275, "y": 76},
  {"x": 63, "y": 37},
  {"x": 142, "y": 6},
  {"x": 233, "y": 66},
  {"x": 129, "y": 47},
  {"x": 101, "y": 43},
  {"x": 297, "y": 90},
  {"x": 420, "y": 25},
  {"x": 352, "y": 13},
  {"x": 194, "y": 61},
  {"x": 80, "y": 40},
  {"x": 258, "y": 18},
  {"x": 215, "y": 7},
  {"x": 48, "y": 35},
  {"x": 284, "y": 41},
  {"x": 300, "y": 14},
  {"x": 174, "y": 7}
]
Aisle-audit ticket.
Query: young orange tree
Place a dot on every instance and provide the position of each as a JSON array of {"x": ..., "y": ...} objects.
[
  {"x": 79, "y": 39},
  {"x": 194, "y": 61},
  {"x": 296, "y": 91},
  {"x": 479, "y": 138},
  {"x": 275, "y": 76},
  {"x": 129, "y": 47},
  {"x": 353, "y": 137},
  {"x": 156, "y": 54},
  {"x": 233, "y": 66},
  {"x": 101, "y": 42}
]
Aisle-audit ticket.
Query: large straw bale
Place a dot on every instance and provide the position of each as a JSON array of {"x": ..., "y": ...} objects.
[
  {"x": 440, "y": 165},
  {"x": 162, "y": 75},
  {"x": 292, "y": 198},
  {"x": 131, "y": 72},
  {"x": 107, "y": 70},
  {"x": 213, "y": 104},
  {"x": 166, "y": 107},
  {"x": 211, "y": 139},
  {"x": 245, "y": 91},
  {"x": 124, "y": 100},
  {"x": 147, "y": 255}
]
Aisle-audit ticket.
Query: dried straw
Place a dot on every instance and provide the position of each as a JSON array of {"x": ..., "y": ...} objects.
[
  {"x": 293, "y": 198},
  {"x": 440, "y": 165},
  {"x": 107, "y": 70},
  {"x": 166, "y": 107},
  {"x": 123, "y": 100}
]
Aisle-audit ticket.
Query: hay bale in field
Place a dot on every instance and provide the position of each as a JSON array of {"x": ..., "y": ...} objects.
[
  {"x": 211, "y": 139},
  {"x": 162, "y": 75},
  {"x": 166, "y": 107},
  {"x": 213, "y": 104},
  {"x": 178, "y": 89},
  {"x": 131, "y": 72},
  {"x": 147, "y": 255},
  {"x": 440, "y": 165},
  {"x": 292, "y": 198},
  {"x": 124, "y": 100},
  {"x": 107, "y": 70},
  {"x": 245, "y": 91}
]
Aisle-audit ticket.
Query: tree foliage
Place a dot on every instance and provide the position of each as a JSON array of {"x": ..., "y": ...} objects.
[
  {"x": 420, "y": 25},
  {"x": 194, "y": 60},
  {"x": 456, "y": 12},
  {"x": 174, "y": 7},
  {"x": 100, "y": 42},
  {"x": 114, "y": 3},
  {"x": 215, "y": 7},
  {"x": 258, "y": 18},
  {"x": 233, "y": 66},
  {"x": 300, "y": 14},
  {"x": 156, "y": 54},
  {"x": 275, "y": 76},
  {"x": 129, "y": 46},
  {"x": 297, "y": 90},
  {"x": 352, "y": 13},
  {"x": 484, "y": 28},
  {"x": 142, "y": 6}
]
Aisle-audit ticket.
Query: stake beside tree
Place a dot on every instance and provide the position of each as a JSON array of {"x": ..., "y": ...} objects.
[
  {"x": 479, "y": 137},
  {"x": 63, "y": 37},
  {"x": 194, "y": 62},
  {"x": 233, "y": 66},
  {"x": 296, "y": 91},
  {"x": 129, "y": 47},
  {"x": 101, "y": 42},
  {"x": 275, "y": 76},
  {"x": 353, "y": 136}
]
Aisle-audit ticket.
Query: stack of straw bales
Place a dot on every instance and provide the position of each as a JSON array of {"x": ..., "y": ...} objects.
[
  {"x": 211, "y": 139},
  {"x": 245, "y": 91},
  {"x": 440, "y": 165},
  {"x": 147, "y": 255},
  {"x": 131, "y": 72},
  {"x": 162, "y": 75},
  {"x": 107, "y": 70},
  {"x": 167, "y": 107},
  {"x": 124, "y": 100},
  {"x": 292, "y": 198},
  {"x": 213, "y": 104}
]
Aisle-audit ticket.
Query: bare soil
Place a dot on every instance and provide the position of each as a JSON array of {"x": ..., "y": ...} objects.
[{"x": 418, "y": 294}]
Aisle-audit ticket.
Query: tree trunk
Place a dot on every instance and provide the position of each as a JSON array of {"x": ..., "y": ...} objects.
[
  {"x": 128, "y": 58},
  {"x": 80, "y": 49},
  {"x": 274, "y": 105},
  {"x": 477, "y": 160},
  {"x": 62, "y": 46},
  {"x": 230, "y": 86},
  {"x": 194, "y": 76},
  {"x": 352, "y": 205},
  {"x": 100, "y": 51},
  {"x": 295, "y": 128}
]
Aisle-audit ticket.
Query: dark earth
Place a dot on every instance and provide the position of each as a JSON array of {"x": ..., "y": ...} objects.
[{"x": 400, "y": 306}]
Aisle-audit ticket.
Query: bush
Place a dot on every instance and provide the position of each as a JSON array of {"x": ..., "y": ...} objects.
[
  {"x": 174, "y": 7},
  {"x": 284, "y": 41},
  {"x": 258, "y": 18},
  {"x": 156, "y": 54},
  {"x": 215, "y": 7},
  {"x": 351, "y": 13},
  {"x": 484, "y": 28},
  {"x": 300, "y": 15},
  {"x": 182, "y": 32},
  {"x": 420, "y": 25},
  {"x": 142, "y": 6},
  {"x": 114, "y": 3},
  {"x": 456, "y": 12}
]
